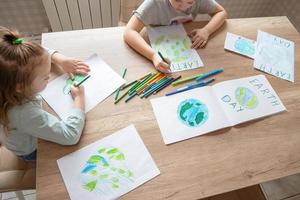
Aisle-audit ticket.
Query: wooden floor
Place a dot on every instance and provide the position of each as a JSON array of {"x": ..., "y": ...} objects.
[
  {"x": 249, "y": 193},
  {"x": 287, "y": 188}
]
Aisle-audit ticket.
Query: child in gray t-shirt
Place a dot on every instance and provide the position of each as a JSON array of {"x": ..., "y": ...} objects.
[{"x": 167, "y": 12}]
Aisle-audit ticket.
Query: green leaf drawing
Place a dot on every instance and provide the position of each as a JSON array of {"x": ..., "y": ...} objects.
[
  {"x": 120, "y": 157},
  {"x": 121, "y": 171},
  {"x": 101, "y": 150},
  {"x": 104, "y": 176},
  {"x": 91, "y": 185},
  {"x": 93, "y": 172},
  {"x": 94, "y": 159},
  {"x": 112, "y": 151},
  {"x": 114, "y": 186}
]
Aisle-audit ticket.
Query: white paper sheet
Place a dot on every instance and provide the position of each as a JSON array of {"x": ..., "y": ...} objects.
[
  {"x": 108, "y": 168},
  {"x": 102, "y": 83},
  {"x": 246, "y": 99},
  {"x": 203, "y": 110},
  {"x": 181, "y": 117},
  {"x": 240, "y": 45},
  {"x": 275, "y": 55},
  {"x": 173, "y": 43}
]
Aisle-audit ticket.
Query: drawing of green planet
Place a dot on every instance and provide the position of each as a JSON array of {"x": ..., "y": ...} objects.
[
  {"x": 174, "y": 47},
  {"x": 245, "y": 97},
  {"x": 192, "y": 112}
]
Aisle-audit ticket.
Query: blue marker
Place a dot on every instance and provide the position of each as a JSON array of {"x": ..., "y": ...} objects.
[
  {"x": 189, "y": 87},
  {"x": 200, "y": 78}
]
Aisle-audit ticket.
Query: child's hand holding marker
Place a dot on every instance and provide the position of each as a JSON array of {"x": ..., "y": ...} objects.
[
  {"x": 70, "y": 65},
  {"x": 161, "y": 64},
  {"x": 78, "y": 96}
]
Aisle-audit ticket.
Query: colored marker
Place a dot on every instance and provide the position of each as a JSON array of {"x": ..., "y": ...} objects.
[
  {"x": 85, "y": 78},
  {"x": 118, "y": 91},
  {"x": 167, "y": 84},
  {"x": 209, "y": 74},
  {"x": 129, "y": 84},
  {"x": 186, "y": 79},
  {"x": 189, "y": 87},
  {"x": 161, "y": 56},
  {"x": 130, "y": 97},
  {"x": 140, "y": 83},
  {"x": 155, "y": 86},
  {"x": 158, "y": 86}
]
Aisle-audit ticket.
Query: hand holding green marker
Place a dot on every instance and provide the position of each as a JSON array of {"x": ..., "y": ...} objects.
[{"x": 85, "y": 78}]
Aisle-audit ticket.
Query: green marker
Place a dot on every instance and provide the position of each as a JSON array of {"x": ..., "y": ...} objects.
[
  {"x": 78, "y": 84},
  {"x": 186, "y": 79},
  {"x": 118, "y": 91}
]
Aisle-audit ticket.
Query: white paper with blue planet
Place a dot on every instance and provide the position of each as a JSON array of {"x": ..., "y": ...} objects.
[
  {"x": 240, "y": 45},
  {"x": 203, "y": 110},
  {"x": 275, "y": 55}
]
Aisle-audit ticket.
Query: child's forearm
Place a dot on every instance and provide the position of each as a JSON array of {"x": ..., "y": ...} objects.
[
  {"x": 137, "y": 42},
  {"x": 80, "y": 103},
  {"x": 57, "y": 58},
  {"x": 216, "y": 21}
]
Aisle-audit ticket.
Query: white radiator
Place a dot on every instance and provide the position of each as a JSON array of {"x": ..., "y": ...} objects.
[{"x": 66, "y": 15}]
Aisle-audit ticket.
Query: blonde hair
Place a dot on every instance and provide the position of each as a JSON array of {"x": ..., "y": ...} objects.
[{"x": 18, "y": 62}]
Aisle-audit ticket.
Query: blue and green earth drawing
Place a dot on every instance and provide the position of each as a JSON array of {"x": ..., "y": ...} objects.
[
  {"x": 246, "y": 98},
  {"x": 173, "y": 47},
  {"x": 244, "y": 46},
  {"x": 69, "y": 82},
  {"x": 106, "y": 171},
  {"x": 192, "y": 112}
]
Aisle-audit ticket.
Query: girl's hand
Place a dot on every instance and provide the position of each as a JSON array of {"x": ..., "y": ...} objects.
[
  {"x": 70, "y": 65},
  {"x": 78, "y": 96},
  {"x": 160, "y": 65},
  {"x": 199, "y": 38}
]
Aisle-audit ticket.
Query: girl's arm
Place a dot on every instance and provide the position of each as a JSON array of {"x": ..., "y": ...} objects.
[
  {"x": 134, "y": 39},
  {"x": 200, "y": 36}
]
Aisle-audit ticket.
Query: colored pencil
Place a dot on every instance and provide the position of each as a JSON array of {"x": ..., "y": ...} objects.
[{"x": 118, "y": 91}]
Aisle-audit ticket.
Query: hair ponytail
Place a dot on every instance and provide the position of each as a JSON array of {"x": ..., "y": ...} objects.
[{"x": 18, "y": 60}]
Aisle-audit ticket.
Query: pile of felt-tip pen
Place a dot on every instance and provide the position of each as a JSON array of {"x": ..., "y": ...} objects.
[{"x": 145, "y": 86}]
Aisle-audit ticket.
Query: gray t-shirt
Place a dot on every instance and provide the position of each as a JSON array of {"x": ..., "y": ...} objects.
[{"x": 161, "y": 12}]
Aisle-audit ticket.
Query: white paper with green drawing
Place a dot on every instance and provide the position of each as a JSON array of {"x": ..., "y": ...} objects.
[
  {"x": 240, "y": 45},
  {"x": 108, "y": 168},
  {"x": 102, "y": 83},
  {"x": 173, "y": 42},
  {"x": 275, "y": 55},
  {"x": 203, "y": 110}
]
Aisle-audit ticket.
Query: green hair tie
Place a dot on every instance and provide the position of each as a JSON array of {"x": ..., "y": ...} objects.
[{"x": 17, "y": 41}]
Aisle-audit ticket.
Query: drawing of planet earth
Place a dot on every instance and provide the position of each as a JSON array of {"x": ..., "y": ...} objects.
[
  {"x": 244, "y": 46},
  {"x": 173, "y": 47},
  {"x": 192, "y": 112},
  {"x": 245, "y": 97}
]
